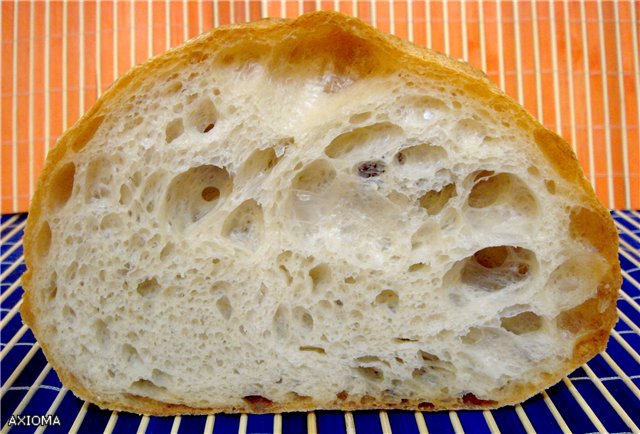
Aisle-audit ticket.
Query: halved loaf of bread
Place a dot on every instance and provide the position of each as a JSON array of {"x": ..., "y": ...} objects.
[{"x": 304, "y": 214}]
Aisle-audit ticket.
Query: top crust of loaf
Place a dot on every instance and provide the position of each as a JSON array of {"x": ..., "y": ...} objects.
[{"x": 308, "y": 46}]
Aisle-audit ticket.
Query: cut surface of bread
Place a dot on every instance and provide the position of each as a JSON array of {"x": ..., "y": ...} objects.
[{"x": 306, "y": 214}]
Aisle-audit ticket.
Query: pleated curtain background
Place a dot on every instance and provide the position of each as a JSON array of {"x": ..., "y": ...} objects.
[{"x": 574, "y": 65}]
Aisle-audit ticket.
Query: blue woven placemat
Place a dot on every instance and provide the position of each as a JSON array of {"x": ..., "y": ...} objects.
[{"x": 601, "y": 396}]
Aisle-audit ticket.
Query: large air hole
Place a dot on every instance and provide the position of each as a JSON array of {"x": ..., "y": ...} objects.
[
  {"x": 192, "y": 194},
  {"x": 434, "y": 200},
  {"x": 502, "y": 190},
  {"x": 89, "y": 129},
  {"x": 421, "y": 155},
  {"x": 174, "y": 129},
  {"x": 204, "y": 117},
  {"x": 575, "y": 279},
  {"x": 493, "y": 268},
  {"x": 260, "y": 161},
  {"x": 374, "y": 139},
  {"x": 245, "y": 224},
  {"x": 315, "y": 177},
  {"x": 42, "y": 242},
  {"x": 61, "y": 186},
  {"x": 523, "y": 323}
]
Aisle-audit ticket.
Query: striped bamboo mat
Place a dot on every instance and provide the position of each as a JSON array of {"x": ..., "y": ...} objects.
[{"x": 573, "y": 64}]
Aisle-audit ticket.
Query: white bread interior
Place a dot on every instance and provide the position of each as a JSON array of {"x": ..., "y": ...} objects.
[{"x": 228, "y": 235}]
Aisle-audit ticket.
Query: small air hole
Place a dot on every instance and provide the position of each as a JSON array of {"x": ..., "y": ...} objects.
[
  {"x": 210, "y": 193},
  {"x": 371, "y": 169}
]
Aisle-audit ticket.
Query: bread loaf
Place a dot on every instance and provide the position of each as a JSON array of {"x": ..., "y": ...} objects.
[{"x": 310, "y": 214}]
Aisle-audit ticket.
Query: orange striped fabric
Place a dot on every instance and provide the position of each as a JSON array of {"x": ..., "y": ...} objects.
[{"x": 574, "y": 65}]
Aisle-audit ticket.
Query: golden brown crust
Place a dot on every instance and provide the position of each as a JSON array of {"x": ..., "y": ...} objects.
[{"x": 323, "y": 41}]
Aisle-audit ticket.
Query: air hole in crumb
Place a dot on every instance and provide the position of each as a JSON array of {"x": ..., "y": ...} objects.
[
  {"x": 52, "y": 292},
  {"x": 61, "y": 186},
  {"x": 494, "y": 268},
  {"x": 416, "y": 267},
  {"x": 312, "y": 349},
  {"x": 389, "y": 298},
  {"x": 370, "y": 137},
  {"x": 421, "y": 154},
  {"x": 303, "y": 317},
  {"x": 42, "y": 242},
  {"x": 210, "y": 193},
  {"x": 472, "y": 399},
  {"x": 315, "y": 177},
  {"x": 593, "y": 228},
  {"x": 110, "y": 221},
  {"x": 166, "y": 251},
  {"x": 148, "y": 287},
  {"x": 281, "y": 321},
  {"x": 551, "y": 186},
  {"x": 260, "y": 161},
  {"x": 257, "y": 402},
  {"x": 68, "y": 312},
  {"x": 371, "y": 169},
  {"x": 125, "y": 195},
  {"x": 359, "y": 118},
  {"x": 320, "y": 277},
  {"x": 245, "y": 224},
  {"x": 296, "y": 397},
  {"x": 191, "y": 195},
  {"x": 434, "y": 200},
  {"x": 204, "y": 117},
  {"x": 147, "y": 388},
  {"x": 131, "y": 355},
  {"x": 174, "y": 129},
  {"x": 404, "y": 340},
  {"x": 224, "y": 307},
  {"x": 161, "y": 378},
  {"x": 102, "y": 332},
  {"x": 89, "y": 130},
  {"x": 502, "y": 189},
  {"x": 525, "y": 322},
  {"x": 370, "y": 373}
]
